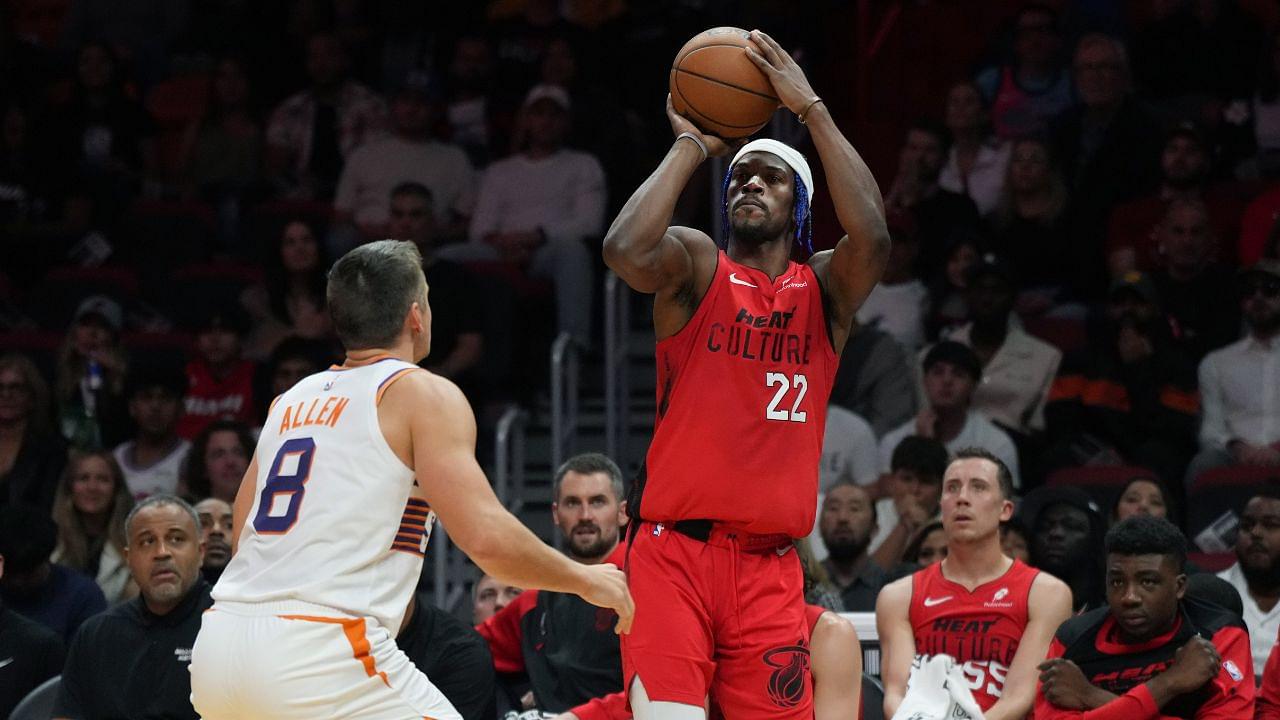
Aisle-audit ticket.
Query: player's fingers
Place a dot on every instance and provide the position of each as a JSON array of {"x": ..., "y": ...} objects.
[
  {"x": 780, "y": 54},
  {"x": 767, "y": 46},
  {"x": 760, "y": 61}
]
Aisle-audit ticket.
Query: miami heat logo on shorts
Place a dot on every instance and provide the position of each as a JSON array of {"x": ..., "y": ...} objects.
[{"x": 790, "y": 664}]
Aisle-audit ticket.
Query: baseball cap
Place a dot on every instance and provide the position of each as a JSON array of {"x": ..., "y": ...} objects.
[
  {"x": 992, "y": 264},
  {"x": 546, "y": 91},
  {"x": 1265, "y": 266},
  {"x": 955, "y": 353},
  {"x": 103, "y": 308},
  {"x": 1138, "y": 282}
]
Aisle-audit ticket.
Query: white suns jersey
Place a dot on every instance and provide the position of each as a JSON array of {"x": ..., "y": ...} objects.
[{"x": 333, "y": 522}]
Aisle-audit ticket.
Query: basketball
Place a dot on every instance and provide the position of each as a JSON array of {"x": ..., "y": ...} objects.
[{"x": 717, "y": 87}]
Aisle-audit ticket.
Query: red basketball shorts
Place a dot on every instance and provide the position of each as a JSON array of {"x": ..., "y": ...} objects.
[{"x": 722, "y": 618}]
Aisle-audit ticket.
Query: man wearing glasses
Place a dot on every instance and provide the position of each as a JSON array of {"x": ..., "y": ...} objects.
[{"x": 1240, "y": 383}]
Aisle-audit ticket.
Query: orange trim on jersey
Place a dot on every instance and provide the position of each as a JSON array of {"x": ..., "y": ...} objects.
[
  {"x": 273, "y": 403},
  {"x": 382, "y": 389},
  {"x": 354, "y": 629}
]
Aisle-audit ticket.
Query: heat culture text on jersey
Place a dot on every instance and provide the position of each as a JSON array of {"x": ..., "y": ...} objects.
[{"x": 762, "y": 338}]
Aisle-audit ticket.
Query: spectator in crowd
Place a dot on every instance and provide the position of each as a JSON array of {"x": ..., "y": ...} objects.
[
  {"x": 1028, "y": 93},
  {"x": 222, "y": 149},
  {"x": 472, "y": 107},
  {"x": 144, "y": 34},
  {"x": 846, "y": 522},
  {"x": 1199, "y": 294},
  {"x": 950, "y": 308},
  {"x": 539, "y": 207},
  {"x": 566, "y": 646},
  {"x": 818, "y": 587},
  {"x": 1143, "y": 496},
  {"x": 53, "y": 595},
  {"x": 1066, "y": 541},
  {"x": 1154, "y": 650},
  {"x": 293, "y": 359},
  {"x": 131, "y": 661},
  {"x": 1130, "y": 397},
  {"x": 1256, "y": 572},
  {"x": 1030, "y": 228},
  {"x": 218, "y": 459},
  {"x": 452, "y": 654},
  {"x": 90, "y": 509},
  {"x": 102, "y": 137},
  {"x": 848, "y": 449},
  {"x": 290, "y": 301},
  {"x": 1194, "y": 57},
  {"x": 951, "y": 372},
  {"x": 32, "y": 454},
  {"x": 34, "y": 655},
  {"x": 940, "y": 214},
  {"x": 874, "y": 379},
  {"x": 489, "y": 596},
  {"x": 1017, "y": 369},
  {"x": 457, "y": 343},
  {"x": 928, "y": 545},
  {"x": 1266, "y": 111},
  {"x": 1015, "y": 541},
  {"x": 408, "y": 154},
  {"x": 92, "y": 364},
  {"x": 912, "y": 496},
  {"x": 219, "y": 379},
  {"x": 152, "y": 461},
  {"x": 977, "y": 160},
  {"x": 215, "y": 534},
  {"x": 1241, "y": 425},
  {"x": 1107, "y": 146},
  {"x": 312, "y": 132},
  {"x": 1134, "y": 237},
  {"x": 899, "y": 303}
]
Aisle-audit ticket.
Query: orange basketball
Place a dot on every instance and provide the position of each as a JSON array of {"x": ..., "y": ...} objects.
[{"x": 716, "y": 86}]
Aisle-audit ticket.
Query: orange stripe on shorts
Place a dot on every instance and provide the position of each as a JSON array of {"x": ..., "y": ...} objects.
[{"x": 354, "y": 629}]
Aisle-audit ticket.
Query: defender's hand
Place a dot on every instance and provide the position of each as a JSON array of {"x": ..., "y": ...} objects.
[
  {"x": 716, "y": 147},
  {"x": 784, "y": 73},
  {"x": 607, "y": 588}
]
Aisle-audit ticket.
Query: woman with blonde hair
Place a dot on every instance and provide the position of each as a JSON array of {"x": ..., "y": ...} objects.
[
  {"x": 90, "y": 509},
  {"x": 32, "y": 454}
]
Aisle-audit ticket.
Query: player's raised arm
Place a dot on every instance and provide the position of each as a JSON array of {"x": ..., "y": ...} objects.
[
  {"x": 650, "y": 256},
  {"x": 1048, "y": 606},
  {"x": 897, "y": 644},
  {"x": 855, "y": 266},
  {"x": 443, "y": 438}
]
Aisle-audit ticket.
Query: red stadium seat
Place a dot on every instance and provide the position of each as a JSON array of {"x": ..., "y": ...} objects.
[
  {"x": 1221, "y": 490},
  {"x": 1101, "y": 482},
  {"x": 1066, "y": 334},
  {"x": 1212, "y": 562}
]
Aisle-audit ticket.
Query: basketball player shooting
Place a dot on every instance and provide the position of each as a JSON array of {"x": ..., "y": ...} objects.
[
  {"x": 748, "y": 342},
  {"x": 993, "y": 615},
  {"x": 333, "y": 515}
]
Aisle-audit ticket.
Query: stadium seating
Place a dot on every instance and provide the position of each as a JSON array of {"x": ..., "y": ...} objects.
[
  {"x": 1221, "y": 490},
  {"x": 1101, "y": 482},
  {"x": 38, "y": 704}
]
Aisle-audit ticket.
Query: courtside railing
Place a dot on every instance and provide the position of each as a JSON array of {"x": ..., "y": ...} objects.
[
  {"x": 508, "y": 448},
  {"x": 564, "y": 398}
]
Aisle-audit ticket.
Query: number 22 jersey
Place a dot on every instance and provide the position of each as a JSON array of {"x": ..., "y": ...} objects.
[
  {"x": 742, "y": 404},
  {"x": 334, "y": 521}
]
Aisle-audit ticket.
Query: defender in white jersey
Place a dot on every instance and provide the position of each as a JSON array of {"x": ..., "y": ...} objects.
[{"x": 333, "y": 516}]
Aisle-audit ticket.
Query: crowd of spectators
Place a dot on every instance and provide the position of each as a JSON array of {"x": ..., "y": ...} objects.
[{"x": 1085, "y": 281}]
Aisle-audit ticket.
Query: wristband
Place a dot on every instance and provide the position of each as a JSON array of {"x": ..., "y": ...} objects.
[
  {"x": 696, "y": 141},
  {"x": 805, "y": 112}
]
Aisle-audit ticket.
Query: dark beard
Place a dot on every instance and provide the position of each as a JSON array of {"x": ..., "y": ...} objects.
[
  {"x": 846, "y": 550},
  {"x": 594, "y": 551},
  {"x": 753, "y": 233},
  {"x": 1263, "y": 578},
  {"x": 1263, "y": 324}
]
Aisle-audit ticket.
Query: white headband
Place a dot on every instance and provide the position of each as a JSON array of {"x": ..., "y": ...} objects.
[{"x": 787, "y": 154}]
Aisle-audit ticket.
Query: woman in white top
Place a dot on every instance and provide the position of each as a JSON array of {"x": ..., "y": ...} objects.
[
  {"x": 91, "y": 505},
  {"x": 977, "y": 160}
]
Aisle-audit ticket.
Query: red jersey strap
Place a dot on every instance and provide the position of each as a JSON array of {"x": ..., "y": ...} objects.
[
  {"x": 503, "y": 633},
  {"x": 813, "y": 613}
]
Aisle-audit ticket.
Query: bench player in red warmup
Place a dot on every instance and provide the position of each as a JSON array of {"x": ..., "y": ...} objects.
[
  {"x": 993, "y": 615},
  {"x": 747, "y": 348}
]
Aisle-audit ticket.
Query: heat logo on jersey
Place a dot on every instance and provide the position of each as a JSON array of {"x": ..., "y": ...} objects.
[
  {"x": 415, "y": 528},
  {"x": 786, "y": 682}
]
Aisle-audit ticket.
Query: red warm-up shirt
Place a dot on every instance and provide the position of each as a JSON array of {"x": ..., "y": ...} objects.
[
  {"x": 1269, "y": 693},
  {"x": 1092, "y": 642},
  {"x": 742, "y": 404}
]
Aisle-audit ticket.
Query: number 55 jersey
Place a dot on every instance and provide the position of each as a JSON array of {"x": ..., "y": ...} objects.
[
  {"x": 334, "y": 520},
  {"x": 742, "y": 403}
]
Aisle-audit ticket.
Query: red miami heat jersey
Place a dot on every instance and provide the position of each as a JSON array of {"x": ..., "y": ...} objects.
[
  {"x": 742, "y": 402},
  {"x": 980, "y": 629}
]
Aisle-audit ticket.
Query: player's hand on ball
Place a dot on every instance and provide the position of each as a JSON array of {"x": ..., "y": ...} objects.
[
  {"x": 607, "y": 588},
  {"x": 716, "y": 147},
  {"x": 784, "y": 73}
]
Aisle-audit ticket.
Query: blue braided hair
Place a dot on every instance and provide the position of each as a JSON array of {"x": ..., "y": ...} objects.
[{"x": 799, "y": 211}]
